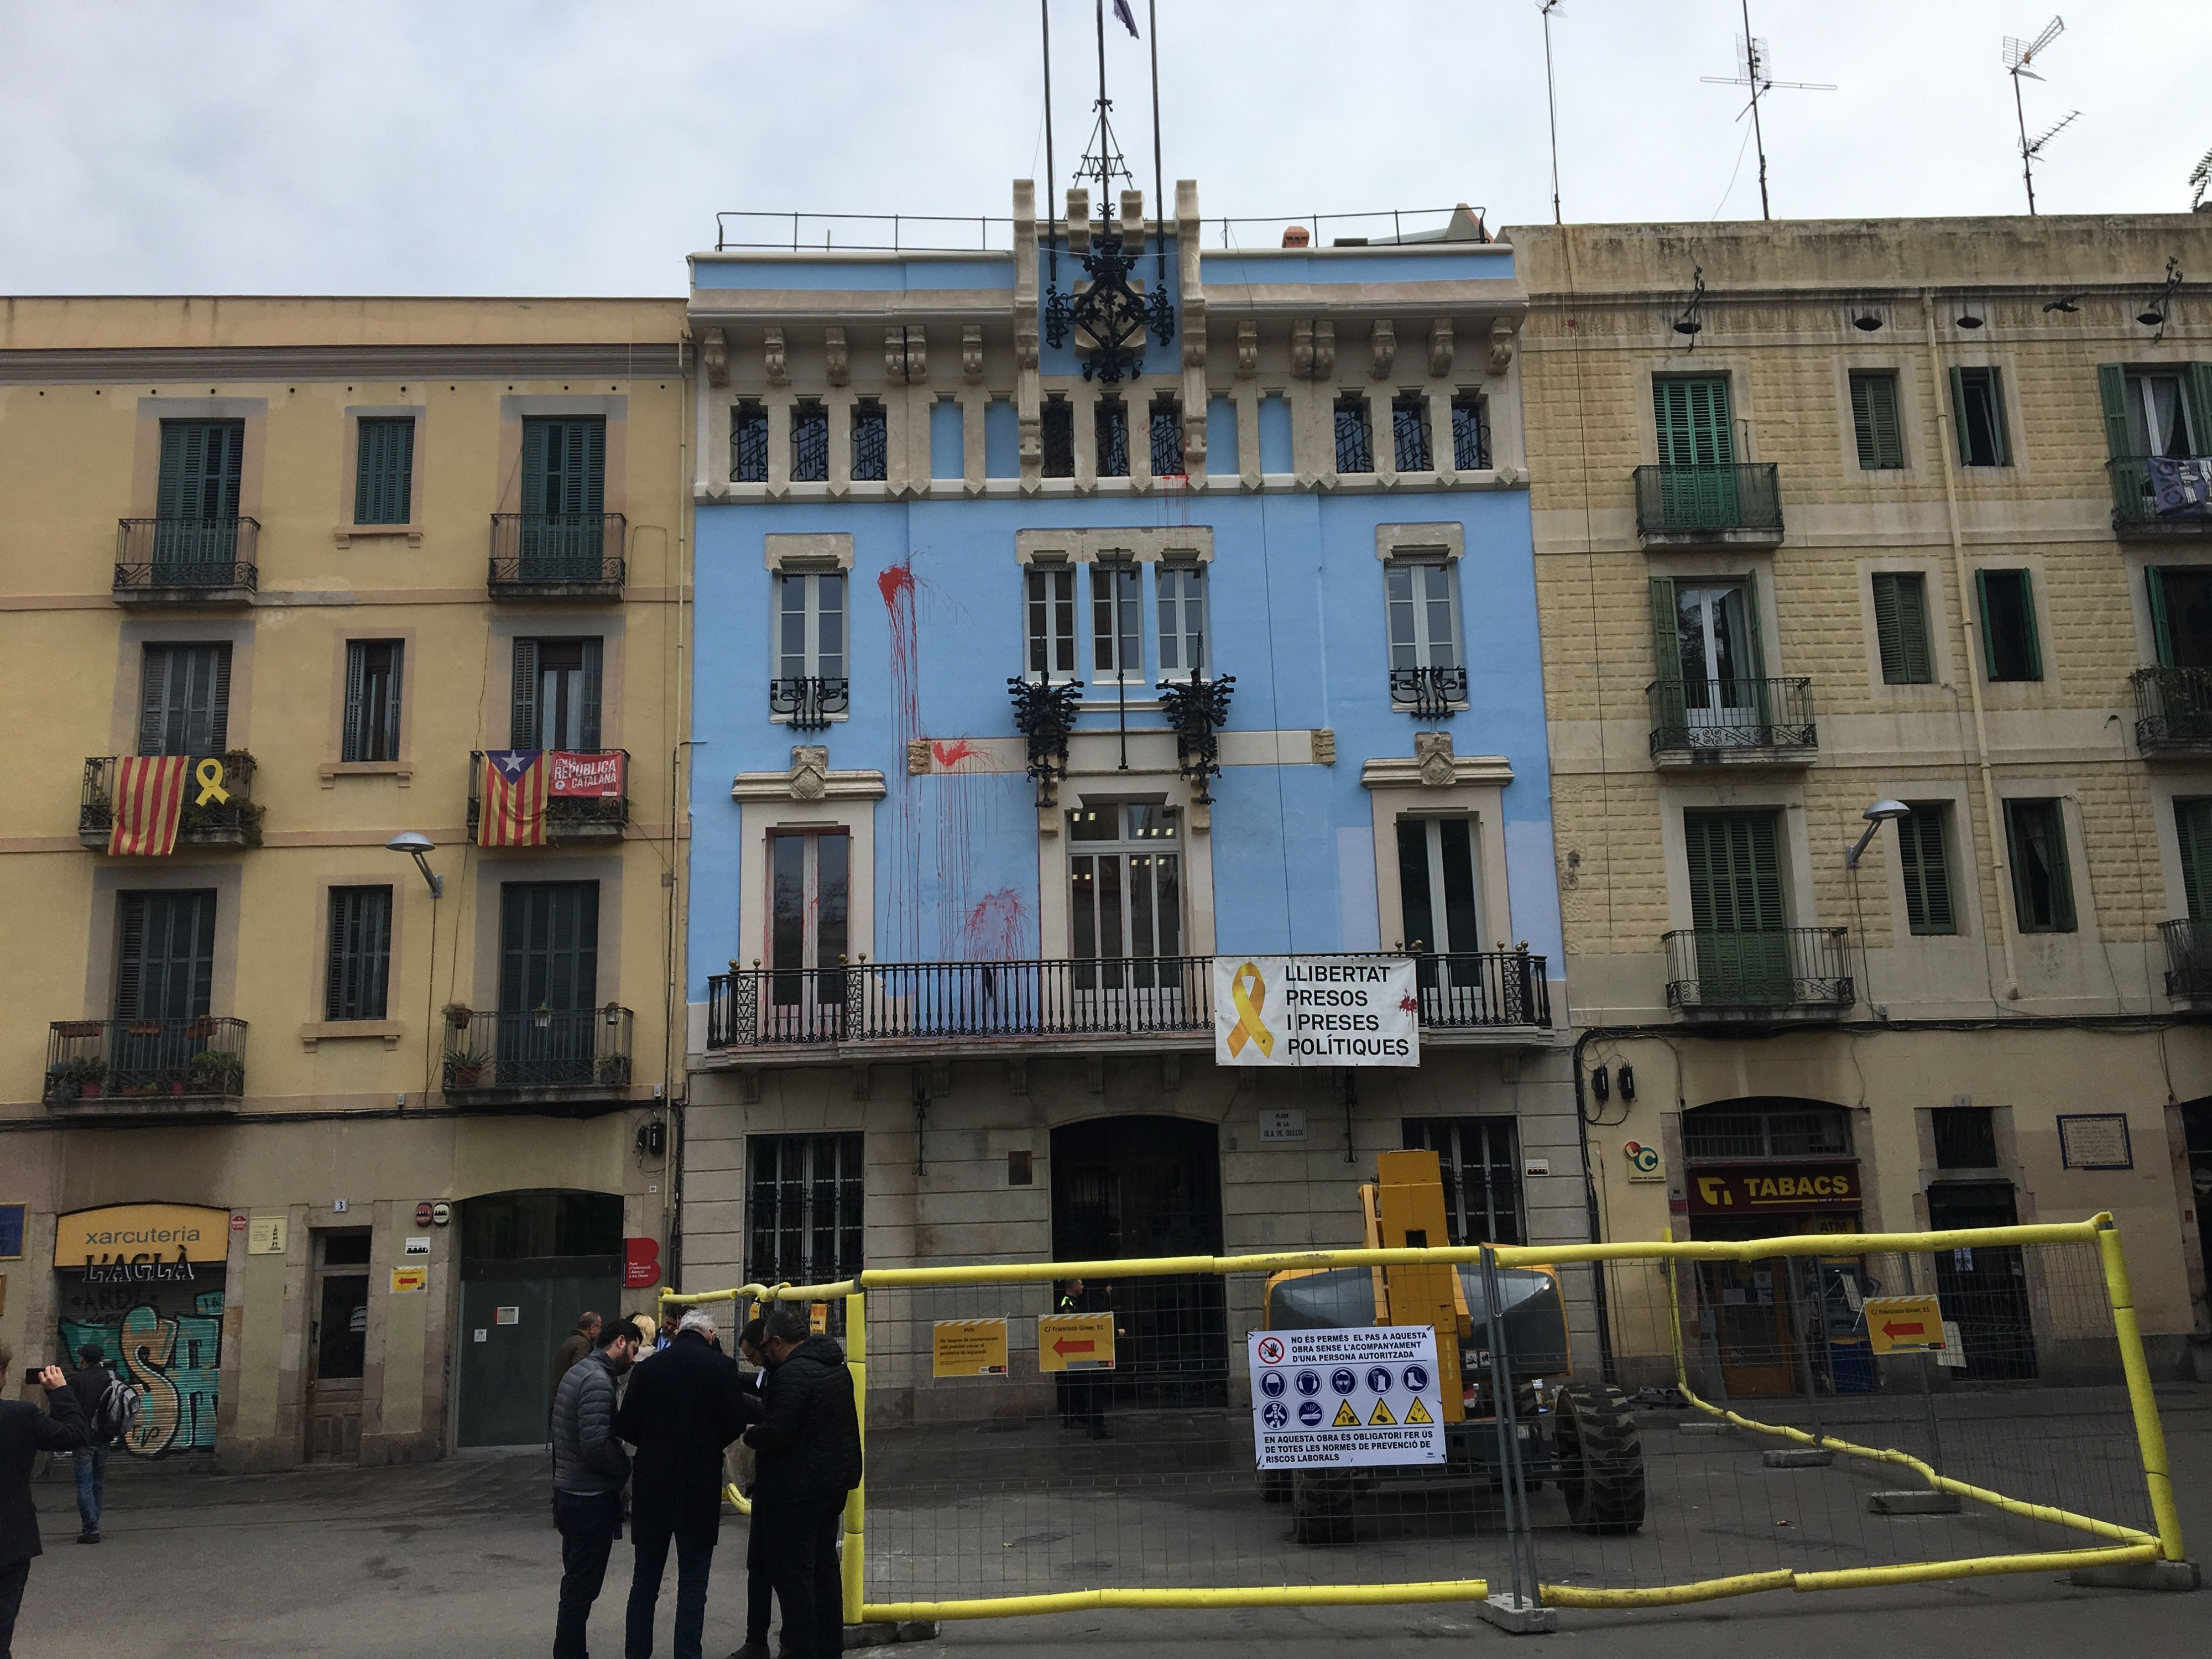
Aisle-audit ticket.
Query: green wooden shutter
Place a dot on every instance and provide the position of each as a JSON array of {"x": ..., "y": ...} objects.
[
  {"x": 1670, "y": 714},
  {"x": 1958, "y": 416},
  {"x": 1982, "y": 616},
  {"x": 2161, "y": 632},
  {"x": 383, "y": 476},
  {"x": 181, "y": 443},
  {"x": 2028, "y": 623},
  {"x": 1756, "y": 634},
  {"x": 2193, "y": 824},
  {"x": 1901, "y": 624},
  {"x": 1693, "y": 421},
  {"x": 355, "y": 742},
  {"x": 1875, "y": 422},
  {"x": 1926, "y": 871},
  {"x": 533, "y": 467},
  {"x": 1998, "y": 425},
  {"x": 522, "y": 727},
  {"x": 153, "y": 698},
  {"x": 2112, "y": 393},
  {"x": 588, "y": 736},
  {"x": 218, "y": 704},
  {"x": 391, "y": 701},
  {"x": 131, "y": 955},
  {"x": 2198, "y": 382}
]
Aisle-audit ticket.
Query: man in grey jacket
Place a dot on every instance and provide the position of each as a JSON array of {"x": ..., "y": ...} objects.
[{"x": 589, "y": 1469}]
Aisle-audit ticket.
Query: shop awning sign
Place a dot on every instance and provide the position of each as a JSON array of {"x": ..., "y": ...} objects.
[
  {"x": 1316, "y": 1011},
  {"x": 141, "y": 1234}
]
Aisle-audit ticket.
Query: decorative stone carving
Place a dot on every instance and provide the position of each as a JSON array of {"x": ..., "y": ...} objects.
[
  {"x": 1501, "y": 346},
  {"x": 906, "y": 354},
  {"x": 1382, "y": 347},
  {"x": 1026, "y": 342},
  {"x": 917, "y": 757},
  {"x": 1324, "y": 349},
  {"x": 1193, "y": 331},
  {"x": 1440, "y": 346},
  {"x": 1302, "y": 348},
  {"x": 1132, "y": 216},
  {"x": 1248, "y": 350},
  {"x": 1077, "y": 228},
  {"x": 772, "y": 356},
  {"x": 810, "y": 771},
  {"x": 832, "y": 349},
  {"x": 1324, "y": 747},
  {"x": 714, "y": 356},
  {"x": 971, "y": 352},
  {"x": 1433, "y": 754}
]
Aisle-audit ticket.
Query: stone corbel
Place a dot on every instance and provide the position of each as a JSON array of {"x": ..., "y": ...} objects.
[
  {"x": 772, "y": 356},
  {"x": 1248, "y": 350},
  {"x": 1078, "y": 222},
  {"x": 714, "y": 356},
  {"x": 917, "y": 757},
  {"x": 1025, "y": 343},
  {"x": 971, "y": 353},
  {"x": 832, "y": 349},
  {"x": 1382, "y": 347},
  {"x": 1324, "y": 349},
  {"x": 1133, "y": 219},
  {"x": 917, "y": 353},
  {"x": 1440, "y": 346},
  {"x": 1302, "y": 348},
  {"x": 1194, "y": 332},
  {"x": 1324, "y": 745},
  {"x": 1501, "y": 346}
]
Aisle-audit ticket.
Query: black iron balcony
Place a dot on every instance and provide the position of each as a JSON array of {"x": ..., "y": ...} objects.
[
  {"x": 1735, "y": 502},
  {"x": 2174, "y": 710},
  {"x": 549, "y": 1053},
  {"x": 806, "y": 701},
  {"x": 1428, "y": 694},
  {"x": 218, "y": 809},
  {"x": 1134, "y": 997},
  {"x": 2188, "y": 958},
  {"x": 556, "y": 556},
  {"x": 2138, "y": 511},
  {"x": 145, "y": 1066},
  {"x": 568, "y": 816},
  {"x": 185, "y": 560},
  {"x": 1763, "y": 971},
  {"x": 1702, "y": 722}
]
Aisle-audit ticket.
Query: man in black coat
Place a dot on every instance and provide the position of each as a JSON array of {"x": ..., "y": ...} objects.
[
  {"x": 808, "y": 1448},
  {"x": 25, "y": 1431},
  {"x": 685, "y": 1404}
]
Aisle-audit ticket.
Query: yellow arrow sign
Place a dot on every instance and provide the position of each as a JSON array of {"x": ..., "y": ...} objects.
[{"x": 1903, "y": 1324}]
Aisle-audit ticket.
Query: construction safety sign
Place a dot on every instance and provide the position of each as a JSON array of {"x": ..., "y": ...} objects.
[
  {"x": 1075, "y": 1342},
  {"x": 1365, "y": 1397}
]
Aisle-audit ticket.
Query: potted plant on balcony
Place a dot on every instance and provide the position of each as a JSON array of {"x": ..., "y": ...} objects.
[
  {"x": 217, "y": 1072},
  {"x": 464, "y": 1069},
  {"x": 86, "y": 1076},
  {"x": 144, "y": 1028},
  {"x": 541, "y": 1016},
  {"x": 61, "y": 1088},
  {"x": 457, "y": 1015},
  {"x": 614, "y": 1070}
]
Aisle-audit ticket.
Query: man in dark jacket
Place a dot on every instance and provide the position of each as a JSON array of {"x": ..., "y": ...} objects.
[
  {"x": 25, "y": 1431},
  {"x": 589, "y": 1468},
  {"x": 682, "y": 1409},
  {"x": 90, "y": 1386},
  {"x": 808, "y": 1448},
  {"x": 582, "y": 1337}
]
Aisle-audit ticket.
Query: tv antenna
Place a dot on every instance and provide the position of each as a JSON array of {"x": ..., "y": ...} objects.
[
  {"x": 1752, "y": 71},
  {"x": 2019, "y": 54},
  {"x": 1552, "y": 105}
]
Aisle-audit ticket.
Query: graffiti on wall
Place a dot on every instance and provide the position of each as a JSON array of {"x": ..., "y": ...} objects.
[{"x": 161, "y": 1334}]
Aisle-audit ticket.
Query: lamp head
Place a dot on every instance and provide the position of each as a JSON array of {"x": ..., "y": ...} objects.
[
  {"x": 414, "y": 844},
  {"x": 1882, "y": 810}
]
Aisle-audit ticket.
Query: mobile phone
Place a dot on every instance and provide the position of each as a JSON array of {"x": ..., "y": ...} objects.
[{"x": 34, "y": 1373}]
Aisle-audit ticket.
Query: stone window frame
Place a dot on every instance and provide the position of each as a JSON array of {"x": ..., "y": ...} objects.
[{"x": 345, "y": 530}]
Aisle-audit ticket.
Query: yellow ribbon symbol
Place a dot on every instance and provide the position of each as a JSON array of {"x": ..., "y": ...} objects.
[
  {"x": 1249, "y": 994},
  {"x": 209, "y": 773}
]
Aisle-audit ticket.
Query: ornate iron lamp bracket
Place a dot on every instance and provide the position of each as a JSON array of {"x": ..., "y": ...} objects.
[
  {"x": 1198, "y": 710},
  {"x": 1045, "y": 715}
]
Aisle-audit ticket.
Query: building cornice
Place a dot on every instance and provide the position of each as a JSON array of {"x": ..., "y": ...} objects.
[{"x": 89, "y": 365}]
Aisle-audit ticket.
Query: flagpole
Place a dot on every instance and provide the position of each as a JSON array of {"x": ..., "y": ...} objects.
[
  {"x": 1101, "y": 97},
  {"x": 1051, "y": 208},
  {"x": 1159, "y": 187}
]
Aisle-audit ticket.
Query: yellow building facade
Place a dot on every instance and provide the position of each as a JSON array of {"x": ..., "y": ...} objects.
[
  {"x": 1841, "y": 518},
  {"x": 327, "y": 1142}
]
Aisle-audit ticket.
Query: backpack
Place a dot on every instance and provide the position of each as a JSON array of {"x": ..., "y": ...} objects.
[{"x": 117, "y": 1414}]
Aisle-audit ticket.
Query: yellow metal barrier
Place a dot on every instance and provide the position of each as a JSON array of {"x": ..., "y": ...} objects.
[{"x": 2125, "y": 1544}]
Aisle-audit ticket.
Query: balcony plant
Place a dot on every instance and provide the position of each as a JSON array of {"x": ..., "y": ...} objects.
[
  {"x": 457, "y": 1015},
  {"x": 614, "y": 1070},
  {"x": 144, "y": 1028},
  {"x": 87, "y": 1076},
  {"x": 217, "y": 1072},
  {"x": 464, "y": 1069},
  {"x": 541, "y": 1016}
]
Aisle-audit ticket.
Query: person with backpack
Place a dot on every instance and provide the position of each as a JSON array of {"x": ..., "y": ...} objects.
[
  {"x": 807, "y": 1452},
  {"x": 110, "y": 1407}
]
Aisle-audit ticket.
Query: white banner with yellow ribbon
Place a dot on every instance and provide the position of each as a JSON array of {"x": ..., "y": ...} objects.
[{"x": 1316, "y": 1011}]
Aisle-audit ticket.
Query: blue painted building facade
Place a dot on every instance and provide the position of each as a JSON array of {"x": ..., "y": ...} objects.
[{"x": 950, "y": 955}]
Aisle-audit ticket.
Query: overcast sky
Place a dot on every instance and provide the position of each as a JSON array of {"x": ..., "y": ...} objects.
[{"x": 499, "y": 147}]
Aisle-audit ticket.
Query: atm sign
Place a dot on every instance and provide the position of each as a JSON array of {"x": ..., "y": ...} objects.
[{"x": 1742, "y": 1189}]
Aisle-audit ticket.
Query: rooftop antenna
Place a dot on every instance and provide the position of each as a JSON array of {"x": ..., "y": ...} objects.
[
  {"x": 1751, "y": 65},
  {"x": 1552, "y": 104},
  {"x": 2017, "y": 55},
  {"x": 1103, "y": 160},
  {"x": 2200, "y": 177}
]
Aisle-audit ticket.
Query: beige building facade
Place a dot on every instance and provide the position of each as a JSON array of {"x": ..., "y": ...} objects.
[
  {"x": 327, "y": 1145},
  {"x": 1838, "y": 517}
]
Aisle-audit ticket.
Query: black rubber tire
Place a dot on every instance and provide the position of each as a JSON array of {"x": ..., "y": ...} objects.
[
  {"x": 1275, "y": 1485},
  {"x": 1320, "y": 1507},
  {"x": 1602, "y": 1457}
]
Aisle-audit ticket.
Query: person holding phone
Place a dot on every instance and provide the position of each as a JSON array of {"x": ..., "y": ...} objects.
[{"x": 25, "y": 1431}]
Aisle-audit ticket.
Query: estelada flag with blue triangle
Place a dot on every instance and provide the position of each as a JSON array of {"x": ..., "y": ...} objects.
[{"x": 513, "y": 810}]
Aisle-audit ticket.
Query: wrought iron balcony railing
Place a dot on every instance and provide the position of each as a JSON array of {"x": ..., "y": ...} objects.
[
  {"x": 207, "y": 559},
  {"x": 2137, "y": 510},
  {"x": 556, "y": 555},
  {"x": 1740, "y": 500},
  {"x": 235, "y": 821},
  {"x": 564, "y": 1049},
  {"x": 1710, "y": 719},
  {"x": 1428, "y": 694},
  {"x": 808, "y": 701},
  {"x": 2174, "y": 710},
  {"x": 567, "y": 817},
  {"x": 1133, "y": 996},
  {"x": 1763, "y": 969},
  {"x": 153, "y": 1064},
  {"x": 2188, "y": 958}
]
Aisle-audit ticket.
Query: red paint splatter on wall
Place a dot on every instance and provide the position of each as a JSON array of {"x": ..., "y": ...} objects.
[
  {"x": 949, "y": 755},
  {"x": 994, "y": 927},
  {"x": 902, "y": 908}
]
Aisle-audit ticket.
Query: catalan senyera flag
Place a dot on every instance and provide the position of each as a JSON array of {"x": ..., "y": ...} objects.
[
  {"x": 149, "y": 800},
  {"x": 511, "y": 812}
]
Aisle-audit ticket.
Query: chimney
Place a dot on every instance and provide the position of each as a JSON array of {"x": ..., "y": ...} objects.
[{"x": 1297, "y": 236}]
